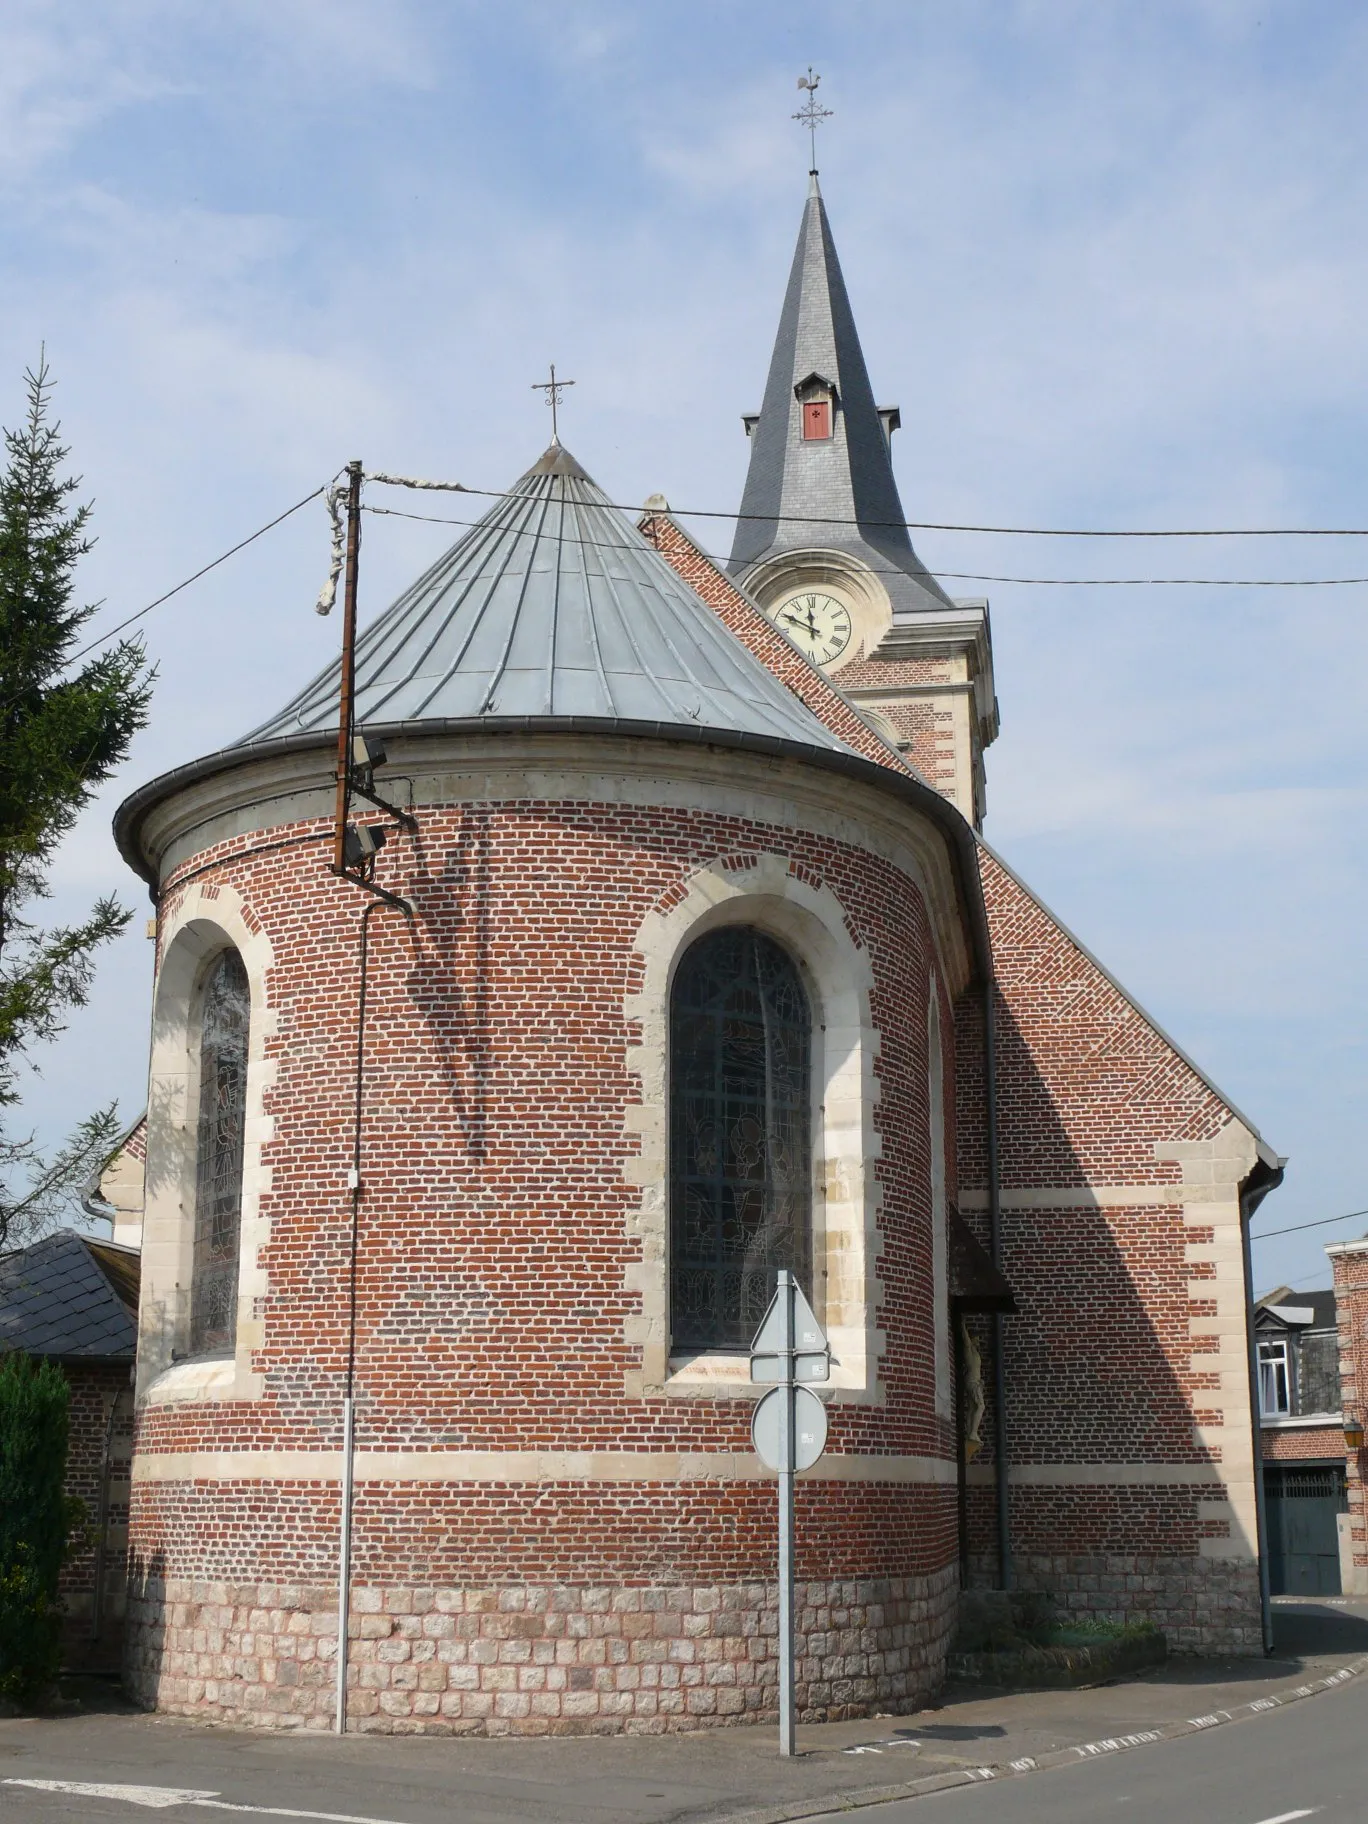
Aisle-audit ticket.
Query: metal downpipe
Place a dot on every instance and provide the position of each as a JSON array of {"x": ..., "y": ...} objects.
[{"x": 1000, "y": 1464}]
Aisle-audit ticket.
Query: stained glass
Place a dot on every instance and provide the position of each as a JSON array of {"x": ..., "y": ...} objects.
[
  {"x": 740, "y": 1136},
  {"x": 224, "y": 1017}
]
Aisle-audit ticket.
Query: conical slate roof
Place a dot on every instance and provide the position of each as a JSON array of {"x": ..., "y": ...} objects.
[
  {"x": 846, "y": 478},
  {"x": 554, "y": 606}
]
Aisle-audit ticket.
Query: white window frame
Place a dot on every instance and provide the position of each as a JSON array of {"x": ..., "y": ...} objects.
[{"x": 1274, "y": 1354}]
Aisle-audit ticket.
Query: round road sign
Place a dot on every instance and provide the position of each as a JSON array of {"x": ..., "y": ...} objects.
[{"x": 809, "y": 1427}]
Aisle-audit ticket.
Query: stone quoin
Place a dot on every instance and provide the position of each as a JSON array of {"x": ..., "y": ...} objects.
[{"x": 695, "y": 986}]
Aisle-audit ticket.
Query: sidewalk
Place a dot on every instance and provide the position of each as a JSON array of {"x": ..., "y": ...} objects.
[{"x": 726, "y": 1774}]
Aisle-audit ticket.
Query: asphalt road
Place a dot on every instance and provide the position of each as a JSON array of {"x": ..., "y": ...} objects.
[{"x": 1307, "y": 1761}]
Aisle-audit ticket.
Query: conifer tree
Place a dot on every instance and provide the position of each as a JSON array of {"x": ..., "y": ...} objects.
[{"x": 62, "y": 733}]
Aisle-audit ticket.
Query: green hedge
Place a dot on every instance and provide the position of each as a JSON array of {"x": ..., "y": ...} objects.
[{"x": 36, "y": 1519}]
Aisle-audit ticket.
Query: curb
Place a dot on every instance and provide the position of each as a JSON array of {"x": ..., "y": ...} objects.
[{"x": 1056, "y": 1757}]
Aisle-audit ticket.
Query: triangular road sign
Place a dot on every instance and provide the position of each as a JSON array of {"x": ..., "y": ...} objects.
[
  {"x": 811, "y": 1355},
  {"x": 808, "y": 1336}
]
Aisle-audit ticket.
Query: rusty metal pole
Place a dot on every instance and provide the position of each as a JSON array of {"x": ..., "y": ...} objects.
[{"x": 347, "y": 692}]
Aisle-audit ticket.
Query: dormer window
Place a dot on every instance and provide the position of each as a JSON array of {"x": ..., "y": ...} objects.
[{"x": 816, "y": 402}]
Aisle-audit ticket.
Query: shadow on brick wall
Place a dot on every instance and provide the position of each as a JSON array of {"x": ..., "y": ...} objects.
[{"x": 1093, "y": 1361}]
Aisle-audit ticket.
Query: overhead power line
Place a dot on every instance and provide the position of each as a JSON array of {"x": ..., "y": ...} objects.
[
  {"x": 968, "y": 576},
  {"x": 204, "y": 570},
  {"x": 946, "y": 525},
  {"x": 1297, "y": 1227}
]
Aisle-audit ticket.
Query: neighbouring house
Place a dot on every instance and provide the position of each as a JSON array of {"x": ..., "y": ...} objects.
[
  {"x": 1302, "y": 1439},
  {"x": 1308, "y": 1346},
  {"x": 72, "y": 1300}
]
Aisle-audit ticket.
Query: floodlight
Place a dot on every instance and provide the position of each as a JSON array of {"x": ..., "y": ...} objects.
[
  {"x": 364, "y": 842},
  {"x": 368, "y": 752}
]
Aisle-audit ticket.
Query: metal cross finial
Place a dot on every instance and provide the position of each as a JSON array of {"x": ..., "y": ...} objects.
[
  {"x": 812, "y": 113},
  {"x": 553, "y": 389}
]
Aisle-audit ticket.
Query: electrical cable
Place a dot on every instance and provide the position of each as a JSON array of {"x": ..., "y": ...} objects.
[
  {"x": 232, "y": 551},
  {"x": 1297, "y": 1228},
  {"x": 928, "y": 525},
  {"x": 972, "y": 576}
]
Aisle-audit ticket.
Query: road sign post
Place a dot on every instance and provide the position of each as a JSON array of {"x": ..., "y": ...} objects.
[{"x": 788, "y": 1435}]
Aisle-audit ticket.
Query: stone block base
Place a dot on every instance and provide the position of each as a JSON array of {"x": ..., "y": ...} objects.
[
  {"x": 530, "y": 1659},
  {"x": 1201, "y": 1605}
]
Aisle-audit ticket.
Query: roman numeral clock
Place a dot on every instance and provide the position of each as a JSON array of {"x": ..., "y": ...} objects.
[{"x": 815, "y": 621}]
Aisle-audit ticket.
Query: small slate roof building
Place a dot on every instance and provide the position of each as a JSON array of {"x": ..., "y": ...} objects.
[
  {"x": 68, "y": 1298},
  {"x": 72, "y": 1300}
]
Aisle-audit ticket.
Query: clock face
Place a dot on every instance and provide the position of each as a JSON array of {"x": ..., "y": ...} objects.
[{"x": 816, "y": 622}]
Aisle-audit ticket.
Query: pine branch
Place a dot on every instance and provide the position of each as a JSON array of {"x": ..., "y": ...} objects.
[{"x": 54, "y": 1183}]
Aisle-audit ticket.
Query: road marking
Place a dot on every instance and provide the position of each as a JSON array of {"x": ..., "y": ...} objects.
[
  {"x": 1115, "y": 1743},
  {"x": 161, "y": 1798},
  {"x": 1287, "y": 1817},
  {"x": 157, "y": 1798}
]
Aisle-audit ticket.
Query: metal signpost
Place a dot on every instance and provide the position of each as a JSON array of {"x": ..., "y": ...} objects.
[{"x": 788, "y": 1430}]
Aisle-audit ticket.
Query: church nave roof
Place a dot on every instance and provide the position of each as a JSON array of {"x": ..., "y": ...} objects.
[{"x": 554, "y": 606}]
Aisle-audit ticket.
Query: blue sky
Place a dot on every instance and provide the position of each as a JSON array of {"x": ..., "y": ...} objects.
[{"x": 1109, "y": 260}]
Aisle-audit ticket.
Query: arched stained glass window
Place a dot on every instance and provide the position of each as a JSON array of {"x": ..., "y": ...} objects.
[
  {"x": 740, "y": 1136},
  {"x": 224, "y": 1015}
]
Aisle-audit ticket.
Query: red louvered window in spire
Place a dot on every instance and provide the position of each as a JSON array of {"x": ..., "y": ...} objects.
[{"x": 816, "y": 420}]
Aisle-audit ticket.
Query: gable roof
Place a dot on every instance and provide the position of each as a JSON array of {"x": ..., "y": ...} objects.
[
  {"x": 1298, "y": 1310},
  {"x": 58, "y": 1298},
  {"x": 1271, "y": 1162},
  {"x": 553, "y": 605},
  {"x": 838, "y": 493},
  {"x": 744, "y": 616}
]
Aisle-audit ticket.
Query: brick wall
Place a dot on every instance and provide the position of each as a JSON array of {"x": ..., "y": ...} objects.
[
  {"x": 1302, "y": 1444},
  {"x": 1121, "y": 1171},
  {"x": 497, "y": 1302},
  {"x": 1349, "y": 1261},
  {"x": 1128, "y": 1419},
  {"x": 99, "y": 1446}
]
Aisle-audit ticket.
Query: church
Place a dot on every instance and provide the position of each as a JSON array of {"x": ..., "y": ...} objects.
[{"x": 685, "y": 962}]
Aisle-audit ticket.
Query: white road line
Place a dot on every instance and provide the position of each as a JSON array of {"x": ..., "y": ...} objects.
[
  {"x": 162, "y": 1798},
  {"x": 1287, "y": 1817},
  {"x": 157, "y": 1798}
]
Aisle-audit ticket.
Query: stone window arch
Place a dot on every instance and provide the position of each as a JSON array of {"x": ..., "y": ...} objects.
[
  {"x": 207, "y": 1128},
  {"x": 224, "y": 1024},
  {"x": 765, "y": 893},
  {"x": 740, "y": 1123}
]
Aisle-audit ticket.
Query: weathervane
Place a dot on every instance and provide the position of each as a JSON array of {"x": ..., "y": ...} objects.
[
  {"x": 812, "y": 113},
  {"x": 553, "y": 389}
]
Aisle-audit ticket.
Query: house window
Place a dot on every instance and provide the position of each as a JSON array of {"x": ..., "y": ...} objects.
[
  {"x": 816, "y": 419},
  {"x": 740, "y": 1136},
  {"x": 1275, "y": 1380},
  {"x": 224, "y": 1012}
]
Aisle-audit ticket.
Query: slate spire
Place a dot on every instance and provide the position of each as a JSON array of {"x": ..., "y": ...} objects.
[{"x": 845, "y": 477}]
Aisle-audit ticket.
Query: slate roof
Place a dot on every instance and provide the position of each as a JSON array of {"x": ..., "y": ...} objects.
[
  {"x": 1320, "y": 1303},
  {"x": 554, "y": 606},
  {"x": 58, "y": 1299},
  {"x": 846, "y": 477}
]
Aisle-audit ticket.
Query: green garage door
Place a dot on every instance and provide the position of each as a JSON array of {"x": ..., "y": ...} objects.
[{"x": 1302, "y": 1502}]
